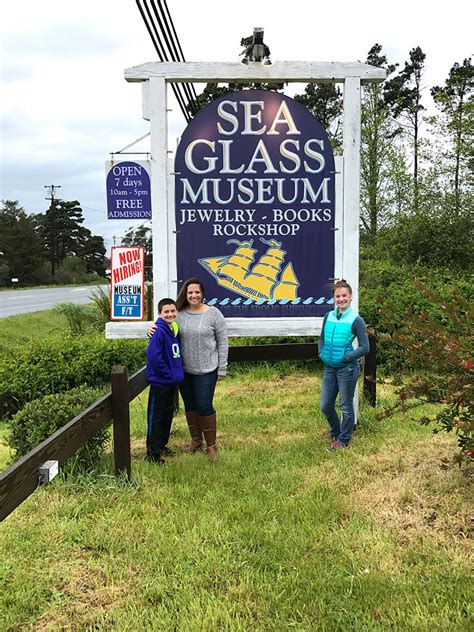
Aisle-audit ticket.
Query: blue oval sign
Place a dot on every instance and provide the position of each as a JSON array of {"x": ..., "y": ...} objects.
[
  {"x": 128, "y": 190},
  {"x": 255, "y": 206}
]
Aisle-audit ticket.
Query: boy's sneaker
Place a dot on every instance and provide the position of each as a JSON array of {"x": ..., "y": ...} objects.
[
  {"x": 154, "y": 459},
  {"x": 327, "y": 436},
  {"x": 336, "y": 446},
  {"x": 168, "y": 452}
]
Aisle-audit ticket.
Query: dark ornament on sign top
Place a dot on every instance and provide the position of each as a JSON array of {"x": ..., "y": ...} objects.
[{"x": 255, "y": 49}]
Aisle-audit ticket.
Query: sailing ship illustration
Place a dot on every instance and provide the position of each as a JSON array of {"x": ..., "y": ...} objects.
[{"x": 263, "y": 279}]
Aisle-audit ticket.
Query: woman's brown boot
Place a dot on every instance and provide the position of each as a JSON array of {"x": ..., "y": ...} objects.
[
  {"x": 209, "y": 430},
  {"x": 195, "y": 430}
]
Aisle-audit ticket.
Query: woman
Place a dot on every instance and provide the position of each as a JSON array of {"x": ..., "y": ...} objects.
[
  {"x": 341, "y": 368},
  {"x": 204, "y": 349}
]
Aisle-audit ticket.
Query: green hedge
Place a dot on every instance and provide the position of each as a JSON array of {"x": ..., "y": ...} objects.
[
  {"x": 55, "y": 365},
  {"x": 39, "y": 419},
  {"x": 388, "y": 289}
]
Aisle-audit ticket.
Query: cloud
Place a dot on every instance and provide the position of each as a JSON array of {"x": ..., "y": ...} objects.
[
  {"x": 62, "y": 41},
  {"x": 66, "y": 105}
]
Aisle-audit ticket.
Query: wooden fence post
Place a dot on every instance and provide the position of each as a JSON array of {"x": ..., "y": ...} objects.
[
  {"x": 121, "y": 420},
  {"x": 370, "y": 371}
]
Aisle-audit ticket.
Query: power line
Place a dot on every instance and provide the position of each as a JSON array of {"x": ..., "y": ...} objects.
[
  {"x": 178, "y": 56},
  {"x": 163, "y": 35},
  {"x": 89, "y": 208},
  {"x": 155, "y": 38},
  {"x": 52, "y": 188}
]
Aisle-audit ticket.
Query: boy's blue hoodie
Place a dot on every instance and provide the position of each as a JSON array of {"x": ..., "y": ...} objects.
[{"x": 164, "y": 366}]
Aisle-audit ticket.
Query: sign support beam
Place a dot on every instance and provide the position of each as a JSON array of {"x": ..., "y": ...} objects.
[
  {"x": 351, "y": 149},
  {"x": 157, "y": 104}
]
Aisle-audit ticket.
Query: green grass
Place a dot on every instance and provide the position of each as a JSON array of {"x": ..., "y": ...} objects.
[
  {"x": 23, "y": 328},
  {"x": 277, "y": 534},
  {"x": 5, "y": 453}
]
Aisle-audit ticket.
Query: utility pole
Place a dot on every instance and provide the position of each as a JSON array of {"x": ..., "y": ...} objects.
[{"x": 52, "y": 221}]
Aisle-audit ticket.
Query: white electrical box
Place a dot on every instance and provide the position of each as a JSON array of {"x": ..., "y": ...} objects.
[{"x": 48, "y": 471}]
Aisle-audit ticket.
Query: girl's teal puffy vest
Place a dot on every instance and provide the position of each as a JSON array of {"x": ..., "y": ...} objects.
[{"x": 338, "y": 337}]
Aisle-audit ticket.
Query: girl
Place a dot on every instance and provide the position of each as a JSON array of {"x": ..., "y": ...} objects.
[{"x": 341, "y": 368}]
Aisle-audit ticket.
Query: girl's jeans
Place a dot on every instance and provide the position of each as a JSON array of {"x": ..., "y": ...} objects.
[
  {"x": 197, "y": 392},
  {"x": 342, "y": 380}
]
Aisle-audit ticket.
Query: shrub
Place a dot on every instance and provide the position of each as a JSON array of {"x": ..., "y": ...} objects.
[
  {"x": 78, "y": 317},
  {"x": 72, "y": 270},
  {"x": 440, "y": 350},
  {"x": 394, "y": 287},
  {"x": 101, "y": 303},
  {"x": 430, "y": 238},
  {"x": 40, "y": 418},
  {"x": 55, "y": 365}
]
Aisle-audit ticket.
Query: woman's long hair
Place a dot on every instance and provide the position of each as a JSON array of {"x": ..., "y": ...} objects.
[{"x": 182, "y": 299}]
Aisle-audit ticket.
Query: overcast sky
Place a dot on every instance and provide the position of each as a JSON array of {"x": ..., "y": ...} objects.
[{"x": 65, "y": 104}]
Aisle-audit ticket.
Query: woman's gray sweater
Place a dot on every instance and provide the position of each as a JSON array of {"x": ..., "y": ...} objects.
[{"x": 204, "y": 341}]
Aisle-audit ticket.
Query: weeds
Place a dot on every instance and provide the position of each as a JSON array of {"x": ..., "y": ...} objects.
[
  {"x": 78, "y": 317},
  {"x": 101, "y": 302}
]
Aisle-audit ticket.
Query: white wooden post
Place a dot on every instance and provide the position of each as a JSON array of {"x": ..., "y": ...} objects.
[
  {"x": 350, "y": 250},
  {"x": 157, "y": 103},
  {"x": 339, "y": 217},
  {"x": 350, "y": 239},
  {"x": 172, "y": 261}
]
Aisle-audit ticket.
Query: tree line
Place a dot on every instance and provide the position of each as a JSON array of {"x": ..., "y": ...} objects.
[
  {"x": 416, "y": 179},
  {"x": 416, "y": 169},
  {"x": 49, "y": 247}
]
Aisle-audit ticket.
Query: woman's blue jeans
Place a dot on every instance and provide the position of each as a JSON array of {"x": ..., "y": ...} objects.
[
  {"x": 197, "y": 392},
  {"x": 342, "y": 380}
]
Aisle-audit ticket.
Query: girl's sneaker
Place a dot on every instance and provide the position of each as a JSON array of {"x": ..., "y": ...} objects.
[
  {"x": 335, "y": 446},
  {"x": 327, "y": 436}
]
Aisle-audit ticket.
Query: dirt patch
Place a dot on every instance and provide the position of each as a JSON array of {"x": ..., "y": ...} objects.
[
  {"x": 406, "y": 490},
  {"x": 270, "y": 438},
  {"x": 87, "y": 596},
  {"x": 413, "y": 493},
  {"x": 138, "y": 448}
]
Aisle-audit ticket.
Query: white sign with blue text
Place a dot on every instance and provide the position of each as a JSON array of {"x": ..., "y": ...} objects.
[{"x": 127, "y": 283}]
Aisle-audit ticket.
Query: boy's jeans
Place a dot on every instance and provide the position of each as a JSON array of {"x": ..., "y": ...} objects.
[
  {"x": 159, "y": 416},
  {"x": 342, "y": 380}
]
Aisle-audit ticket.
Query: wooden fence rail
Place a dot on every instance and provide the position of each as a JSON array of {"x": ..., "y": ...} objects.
[{"x": 21, "y": 479}]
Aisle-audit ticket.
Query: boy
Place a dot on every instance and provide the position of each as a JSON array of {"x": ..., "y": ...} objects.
[{"x": 164, "y": 370}]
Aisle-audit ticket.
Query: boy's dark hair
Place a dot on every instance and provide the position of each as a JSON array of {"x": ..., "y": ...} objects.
[
  {"x": 165, "y": 301},
  {"x": 341, "y": 283}
]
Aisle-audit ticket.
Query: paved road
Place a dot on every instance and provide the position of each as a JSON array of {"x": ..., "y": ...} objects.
[{"x": 25, "y": 301}]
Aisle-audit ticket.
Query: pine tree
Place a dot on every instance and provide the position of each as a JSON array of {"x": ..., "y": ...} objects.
[
  {"x": 403, "y": 95},
  {"x": 61, "y": 231},
  {"x": 455, "y": 100},
  {"x": 324, "y": 101},
  {"x": 22, "y": 253},
  {"x": 379, "y": 154}
]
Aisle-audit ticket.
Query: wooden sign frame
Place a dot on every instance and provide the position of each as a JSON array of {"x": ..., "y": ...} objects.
[{"x": 155, "y": 77}]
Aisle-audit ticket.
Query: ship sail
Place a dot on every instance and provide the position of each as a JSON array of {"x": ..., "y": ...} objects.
[
  {"x": 259, "y": 281},
  {"x": 288, "y": 285},
  {"x": 237, "y": 265},
  {"x": 264, "y": 273}
]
